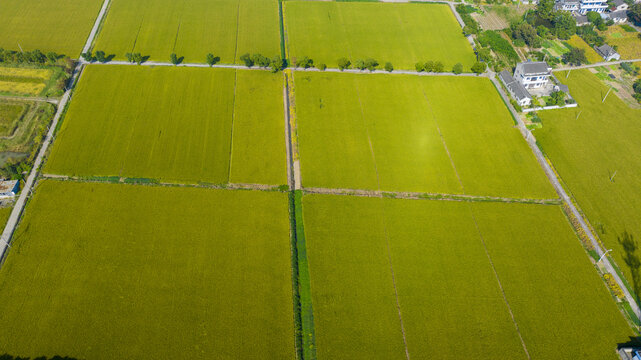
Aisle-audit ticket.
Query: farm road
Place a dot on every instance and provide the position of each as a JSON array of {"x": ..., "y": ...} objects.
[
  {"x": 531, "y": 140},
  {"x": 38, "y": 99},
  {"x": 243, "y": 67},
  {"x": 12, "y": 222},
  {"x": 594, "y": 65}
]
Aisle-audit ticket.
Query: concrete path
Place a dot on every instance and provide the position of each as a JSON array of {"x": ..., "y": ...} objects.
[
  {"x": 594, "y": 65},
  {"x": 38, "y": 99},
  {"x": 531, "y": 140},
  {"x": 12, "y": 222}
]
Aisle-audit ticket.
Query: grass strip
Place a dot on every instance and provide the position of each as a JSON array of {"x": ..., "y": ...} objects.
[{"x": 304, "y": 284}]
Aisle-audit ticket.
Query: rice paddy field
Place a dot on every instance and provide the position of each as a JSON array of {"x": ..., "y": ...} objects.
[
  {"x": 225, "y": 28},
  {"x": 408, "y": 133},
  {"x": 629, "y": 43},
  {"x": 402, "y": 34},
  {"x": 588, "y": 151},
  {"x": 149, "y": 272},
  {"x": 590, "y": 53},
  {"x": 174, "y": 125},
  {"x": 449, "y": 270},
  {"x": 61, "y": 26}
]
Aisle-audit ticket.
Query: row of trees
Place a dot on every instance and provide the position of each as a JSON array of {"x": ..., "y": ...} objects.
[
  {"x": 35, "y": 57},
  {"x": 276, "y": 63}
]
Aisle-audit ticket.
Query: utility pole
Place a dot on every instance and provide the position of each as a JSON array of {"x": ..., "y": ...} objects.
[
  {"x": 613, "y": 175},
  {"x": 577, "y": 115},
  {"x": 568, "y": 74},
  {"x": 606, "y": 95},
  {"x": 22, "y": 51},
  {"x": 604, "y": 254}
]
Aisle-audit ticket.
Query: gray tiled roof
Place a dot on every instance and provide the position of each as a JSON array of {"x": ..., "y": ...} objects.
[
  {"x": 621, "y": 14},
  {"x": 605, "y": 50},
  {"x": 534, "y": 68},
  {"x": 515, "y": 87}
]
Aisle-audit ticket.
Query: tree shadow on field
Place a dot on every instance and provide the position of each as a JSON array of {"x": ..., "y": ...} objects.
[
  {"x": 55, "y": 357},
  {"x": 110, "y": 57},
  {"x": 631, "y": 259}
]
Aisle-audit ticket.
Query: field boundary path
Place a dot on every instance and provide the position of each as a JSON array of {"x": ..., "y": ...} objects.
[
  {"x": 14, "y": 217},
  {"x": 37, "y": 99},
  {"x": 243, "y": 67},
  {"x": 549, "y": 172},
  {"x": 587, "y": 66}
]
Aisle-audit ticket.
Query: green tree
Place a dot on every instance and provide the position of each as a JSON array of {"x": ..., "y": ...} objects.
[
  {"x": 371, "y": 64},
  {"x": 277, "y": 64},
  {"x": 545, "y": 9},
  {"x": 211, "y": 59},
  {"x": 260, "y": 60},
  {"x": 429, "y": 66},
  {"x": 564, "y": 25},
  {"x": 360, "y": 64},
  {"x": 479, "y": 67},
  {"x": 174, "y": 59},
  {"x": 137, "y": 58},
  {"x": 321, "y": 67},
  {"x": 389, "y": 67},
  {"x": 526, "y": 32},
  {"x": 130, "y": 57},
  {"x": 438, "y": 67},
  {"x": 543, "y": 32},
  {"x": 575, "y": 57},
  {"x": 457, "y": 68},
  {"x": 52, "y": 57},
  {"x": 87, "y": 56},
  {"x": 557, "y": 98},
  {"x": 420, "y": 67},
  {"x": 305, "y": 63},
  {"x": 344, "y": 63},
  {"x": 100, "y": 56},
  {"x": 634, "y": 13},
  {"x": 246, "y": 58}
]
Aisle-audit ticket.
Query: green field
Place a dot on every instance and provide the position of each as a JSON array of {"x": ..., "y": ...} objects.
[
  {"x": 62, "y": 26},
  {"x": 403, "y": 133},
  {"x": 174, "y": 125},
  {"x": 448, "y": 294},
  {"x": 225, "y": 28},
  {"x": 400, "y": 33},
  {"x": 149, "y": 272},
  {"x": 589, "y": 150}
]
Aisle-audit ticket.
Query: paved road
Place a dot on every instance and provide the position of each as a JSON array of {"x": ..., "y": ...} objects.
[
  {"x": 531, "y": 140},
  {"x": 38, "y": 99},
  {"x": 12, "y": 222},
  {"x": 595, "y": 65}
]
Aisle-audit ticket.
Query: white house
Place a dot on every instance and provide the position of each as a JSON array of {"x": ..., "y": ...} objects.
[
  {"x": 532, "y": 74},
  {"x": 9, "y": 188},
  {"x": 620, "y": 5},
  {"x": 582, "y": 6},
  {"x": 607, "y": 52},
  {"x": 516, "y": 89}
]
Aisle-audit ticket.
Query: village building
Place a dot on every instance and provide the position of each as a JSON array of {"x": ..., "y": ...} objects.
[
  {"x": 516, "y": 89},
  {"x": 533, "y": 74},
  {"x": 9, "y": 188},
  {"x": 607, "y": 52},
  {"x": 582, "y": 6}
]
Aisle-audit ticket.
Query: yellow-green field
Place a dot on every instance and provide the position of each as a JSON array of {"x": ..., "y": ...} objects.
[
  {"x": 628, "y": 43},
  {"x": 400, "y": 33},
  {"x": 61, "y": 26},
  {"x": 406, "y": 133},
  {"x": 453, "y": 272},
  {"x": 175, "y": 125},
  {"x": 225, "y": 28},
  {"x": 590, "y": 53},
  {"x": 596, "y": 155},
  {"x": 114, "y": 271}
]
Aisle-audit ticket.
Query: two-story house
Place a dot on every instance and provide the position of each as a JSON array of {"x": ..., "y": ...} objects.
[
  {"x": 532, "y": 74},
  {"x": 582, "y": 6}
]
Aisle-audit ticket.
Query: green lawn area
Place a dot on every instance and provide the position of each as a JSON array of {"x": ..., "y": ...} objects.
[
  {"x": 175, "y": 125},
  {"x": 382, "y": 132},
  {"x": 448, "y": 294},
  {"x": 588, "y": 151},
  {"x": 400, "y": 33},
  {"x": 62, "y": 26},
  {"x": 149, "y": 272},
  {"x": 225, "y": 28}
]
